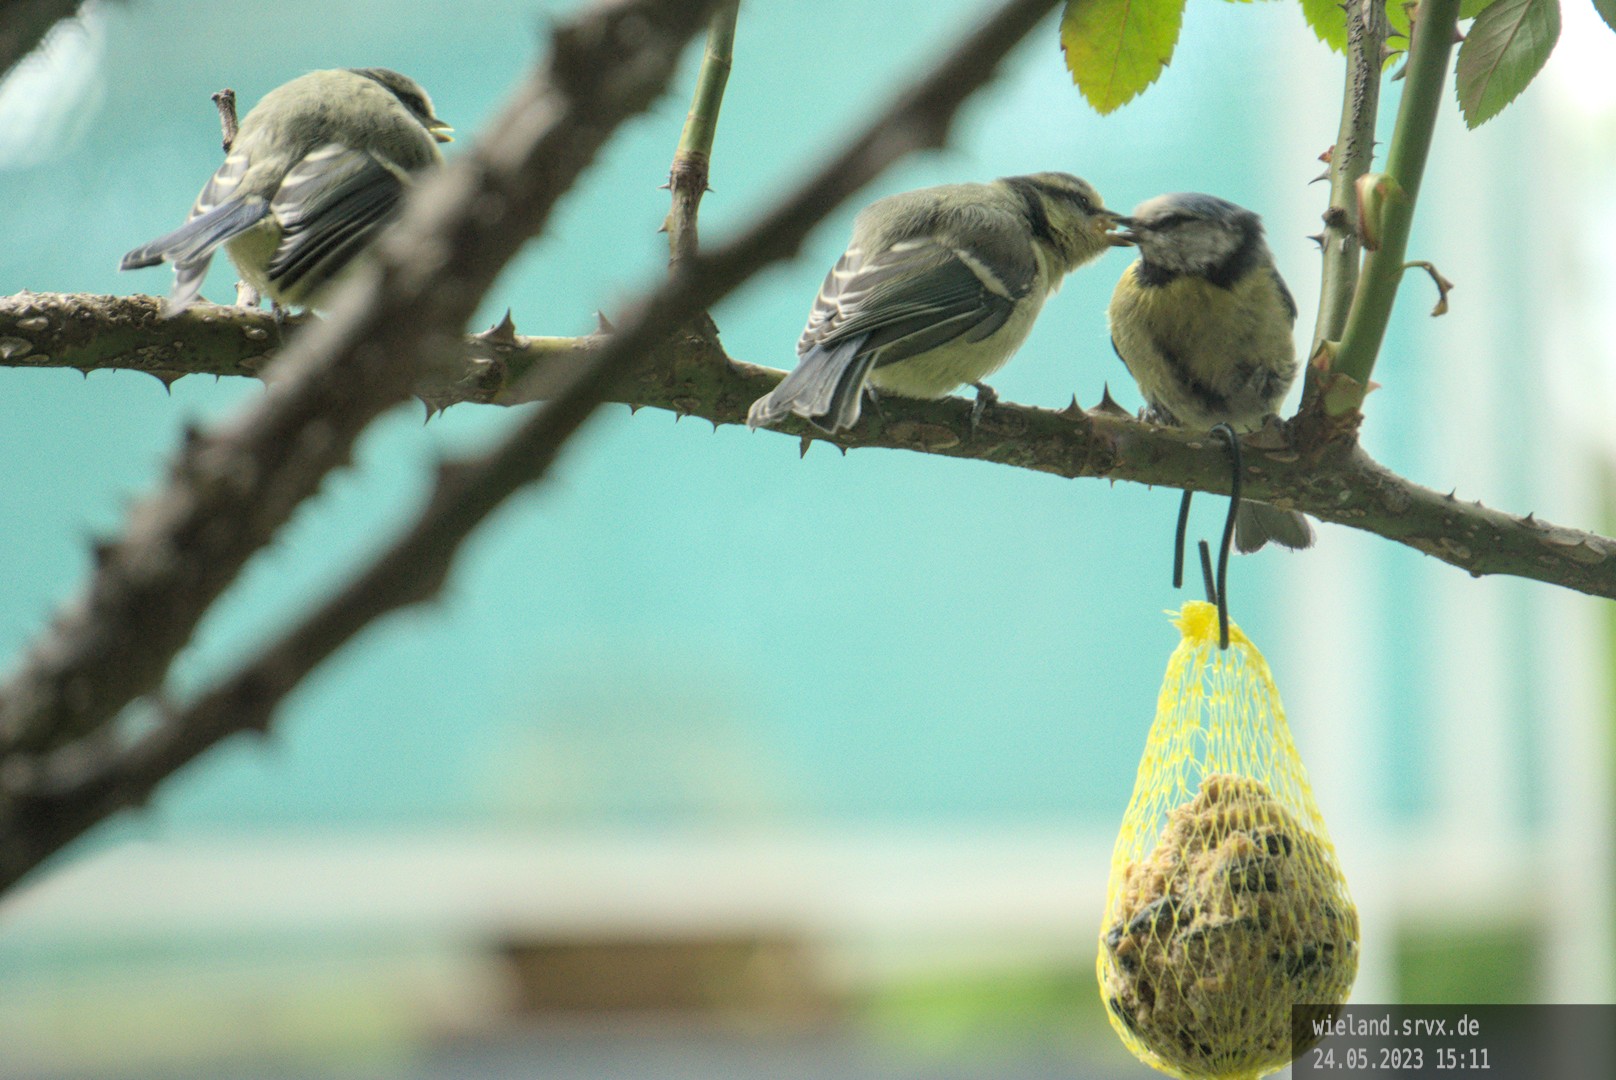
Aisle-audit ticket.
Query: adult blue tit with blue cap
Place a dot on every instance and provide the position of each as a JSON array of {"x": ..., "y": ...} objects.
[
  {"x": 317, "y": 168},
  {"x": 1203, "y": 322},
  {"x": 938, "y": 288}
]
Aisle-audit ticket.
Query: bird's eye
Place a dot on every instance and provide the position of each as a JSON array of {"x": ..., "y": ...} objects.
[{"x": 1085, "y": 204}]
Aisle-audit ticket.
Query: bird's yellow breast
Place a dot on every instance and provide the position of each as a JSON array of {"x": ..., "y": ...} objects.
[{"x": 1203, "y": 352}]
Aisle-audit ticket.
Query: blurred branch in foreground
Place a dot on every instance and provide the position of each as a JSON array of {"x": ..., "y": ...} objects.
[
  {"x": 49, "y": 798},
  {"x": 231, "y": 488}
]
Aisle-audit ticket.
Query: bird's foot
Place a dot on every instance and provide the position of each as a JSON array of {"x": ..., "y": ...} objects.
[
  {"x": 873, "y": 399},
  {"x": 986, "y": 397}
]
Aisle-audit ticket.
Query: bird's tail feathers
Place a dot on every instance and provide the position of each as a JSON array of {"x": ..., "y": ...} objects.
[
  {"x": 826, "y": 388},
  {"x": 191, "y": 246},
  {"x": 196, "y": 239},
  {"x": 188, "y": 278},
  {"x": 1257, "y": 523}
]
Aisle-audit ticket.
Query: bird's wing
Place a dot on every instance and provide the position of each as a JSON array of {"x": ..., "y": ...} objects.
[
  {"x": 328, "y": 207},
  {"x": 913, "y": 296}
]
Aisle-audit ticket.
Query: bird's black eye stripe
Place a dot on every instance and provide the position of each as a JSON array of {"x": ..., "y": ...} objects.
[{"x": 1067, "y": 195}]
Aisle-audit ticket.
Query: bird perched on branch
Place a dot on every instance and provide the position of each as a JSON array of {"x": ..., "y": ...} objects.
[
  {"x": 937, "y": 289},
  {"x": 317, "y": 168},
  {"x": 1203, "y": 322}
]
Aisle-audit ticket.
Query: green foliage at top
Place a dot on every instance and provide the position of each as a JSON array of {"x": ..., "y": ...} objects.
[
  {"x": 1469, "y": 9},
  {"x": 1116, "y": 48},
  {"x": 1505, "y": 49},
  {"x": 1328, "y": 20},
  {"x": 1607, "y": 11}
]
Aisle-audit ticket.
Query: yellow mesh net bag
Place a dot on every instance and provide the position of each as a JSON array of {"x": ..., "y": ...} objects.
[{"x": 1226, "y": 904}]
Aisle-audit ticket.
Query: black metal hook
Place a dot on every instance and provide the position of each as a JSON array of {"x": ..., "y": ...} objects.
[
  {"x": 1217, "y": 587},
  {"x": 1222, "y": 601},
  {"x": 1178, "y": 538}
]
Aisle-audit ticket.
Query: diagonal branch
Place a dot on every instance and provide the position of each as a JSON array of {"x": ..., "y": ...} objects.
[
  {"x": 60, "y": 794},
  {"x": 24, "y": 24},
  {"x": 401, "y": 315}
]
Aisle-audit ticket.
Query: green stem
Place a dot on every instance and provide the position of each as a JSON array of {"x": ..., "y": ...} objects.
[
  {"x": 1428, "y": 61},
  {"x": 688, "y": 177},
  {"x": 1349, "y": 159}
]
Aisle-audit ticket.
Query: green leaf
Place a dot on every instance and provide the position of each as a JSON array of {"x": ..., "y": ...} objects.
[
  {"x": 1397, "y": 22},
  {"x": 1116, "y": 48},
  {"x": 1505, "y": 49},
  {"x": 1328, "y": 21},
  {"x": 1607, "y": 11},
  {"x": 1469, "y": 9}
]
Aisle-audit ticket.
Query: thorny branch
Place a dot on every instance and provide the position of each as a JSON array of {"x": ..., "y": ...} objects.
[
  {"x": 61, "y": 793},
  {"x": 689, "y": 373},
  {"x": 1350, "y": 157}
]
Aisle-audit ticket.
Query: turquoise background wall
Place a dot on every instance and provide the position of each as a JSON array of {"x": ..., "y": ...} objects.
[
  {"x": 688, "y": 632},
  {"x": 882, "y": 635}
]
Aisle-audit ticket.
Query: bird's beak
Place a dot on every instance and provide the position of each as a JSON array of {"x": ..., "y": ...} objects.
[
  {"x": 1127, "y": 237},
  {"x": 440, "y": 131}
]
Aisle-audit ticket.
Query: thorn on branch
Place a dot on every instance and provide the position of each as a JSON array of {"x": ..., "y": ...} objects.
[
  {"x": 1443, "y": 285},
  {"x": 1108, "y": 404},
  {"x": 502, "y": 332}
]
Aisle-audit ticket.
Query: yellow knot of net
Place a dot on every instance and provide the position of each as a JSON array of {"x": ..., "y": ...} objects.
[{"x": 1226, "y": 905}]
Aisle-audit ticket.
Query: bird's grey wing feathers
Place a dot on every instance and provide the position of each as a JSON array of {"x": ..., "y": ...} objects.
[
  {"x": 328, "y": 207},
  {"x": 909, "y": 299}
]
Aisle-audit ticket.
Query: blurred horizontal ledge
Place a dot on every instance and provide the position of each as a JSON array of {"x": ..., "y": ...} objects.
[{"x": 829, "y": 886}]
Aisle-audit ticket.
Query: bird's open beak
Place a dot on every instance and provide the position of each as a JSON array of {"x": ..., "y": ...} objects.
[
  {"x": 440, "y": 131},
  {"x": 1127, "y": 237}
]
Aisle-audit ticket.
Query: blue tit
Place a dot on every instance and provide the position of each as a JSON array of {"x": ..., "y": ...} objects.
[
  {"x": 317, "y": 168},
  {"x": 937, "y": 289},
  {"x": 1203, "y": 322}
]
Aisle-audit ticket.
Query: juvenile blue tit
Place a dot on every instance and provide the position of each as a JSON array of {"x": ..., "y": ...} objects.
[
  {"x": 937, "y": 289},
  {"x": 317, "y": 168},
  {"x": 1203, "y": 321}
]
